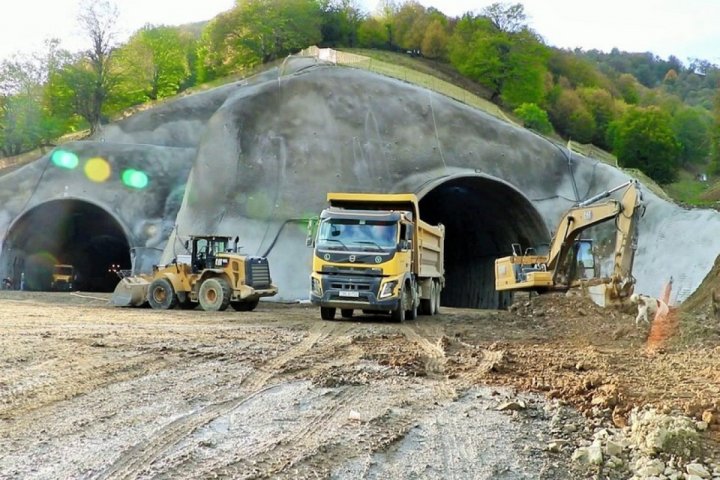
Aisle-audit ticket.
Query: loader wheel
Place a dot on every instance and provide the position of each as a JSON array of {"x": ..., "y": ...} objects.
[
  {"x": 214, "y": 294},
  {"x": 244, "y": 306},
  {"x": 161, "y": 295},
  {"x": 327, "y": 313}
]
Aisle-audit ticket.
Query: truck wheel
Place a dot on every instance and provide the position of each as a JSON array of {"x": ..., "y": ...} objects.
[
  {"x": 438, "y": 290},
  {"x": 161, "y": 295},
  {"x": 398, "y": 314},
  {"x": 346, "y": 313},
  {"x": 244, "y": 306},
  {"x": 427, "y": 305},
  {"x": 327, "y": 313},
  {"x": 412, "y": 312},
  {"x": 214, "y": 294}
]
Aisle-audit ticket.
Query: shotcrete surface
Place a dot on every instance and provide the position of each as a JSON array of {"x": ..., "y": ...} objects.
[{"x": 92, "y": 391}]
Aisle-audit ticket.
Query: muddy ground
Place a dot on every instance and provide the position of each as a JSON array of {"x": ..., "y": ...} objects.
[{"x": 92, "y": 391}]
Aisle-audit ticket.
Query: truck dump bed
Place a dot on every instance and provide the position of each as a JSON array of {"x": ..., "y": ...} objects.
[{"x": 430, "y": 250}]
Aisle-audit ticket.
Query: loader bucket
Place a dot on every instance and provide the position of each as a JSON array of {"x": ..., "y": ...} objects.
[{"x": 131, "y": 292}]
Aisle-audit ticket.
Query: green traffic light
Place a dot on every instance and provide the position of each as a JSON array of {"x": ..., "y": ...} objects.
[
  {"x": 64, "y": 159},
  {"x": 135, "y": 178}
]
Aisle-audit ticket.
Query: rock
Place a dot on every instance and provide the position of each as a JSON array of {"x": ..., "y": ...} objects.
[
  {"x": 652, "y": 468},
  {"x": 355, "y": 416},
  {"x": 709, "y": 417},
  {"x": 698, "y": 470},
  {"x": 595, "y": 456},
  {"x": 613, "y": 448},
  {"x": 581, "y": 455},
  {"x": 570, "y": 428},
  {"x": 514, "y": 406},
  {"x": 701, "y": 426},
  {"x": 555, "y": 446}
]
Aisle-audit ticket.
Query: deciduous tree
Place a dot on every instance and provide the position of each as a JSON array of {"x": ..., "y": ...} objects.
[{"x": 643, "y": 138}]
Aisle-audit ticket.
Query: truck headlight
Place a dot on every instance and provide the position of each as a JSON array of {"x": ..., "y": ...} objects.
[
  {"x": 387, "y": 289},
  {"x": 315, "y": 286}
]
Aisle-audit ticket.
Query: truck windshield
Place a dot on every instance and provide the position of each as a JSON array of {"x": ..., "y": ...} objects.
[{"x": 353, "y": 234}]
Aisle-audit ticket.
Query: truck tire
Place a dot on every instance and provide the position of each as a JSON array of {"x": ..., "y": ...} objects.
[
  {"x": 327, "y": 313},
  {"x": 411, "y": 300},
  {"x": 248, "y": 306},
  {"x": 214, "y": 294},
  {"x": 346, "y": 313},
  {"x": 438, "y": 291},
  {"x": 427, "y": 305},
  {"x": 161, "y": 294},
  {"x": 398, "y": 314}
]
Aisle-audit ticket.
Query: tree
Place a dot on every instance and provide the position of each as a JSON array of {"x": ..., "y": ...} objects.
[
  {"x": 601, "y": 105},
  {"x": 25, "y": 122},
  {"x": 506, "y": 17},
  {"x": 715, "y": 135},
  {"x": 99, "y": 20},
  {"x": 643, "y": 138},
  {"x": 340, "y": 22},
  {"x": 692, "y": 127},
  {"x": 435, "y": 41},
  {"x": 372, "y": 34},
  {"x": 572, "y": 118},
  {"x": 256, "y": 32},
  {"x": 152, "y": 65},
  {"x": 534, "y": 117},
  {"x": 511, "y": 65}
]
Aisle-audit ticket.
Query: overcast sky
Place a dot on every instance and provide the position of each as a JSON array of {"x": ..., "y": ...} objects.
[{"x": 686, "y": 28}]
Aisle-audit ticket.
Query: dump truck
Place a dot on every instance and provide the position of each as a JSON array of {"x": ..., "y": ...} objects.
[
  {"x": 570, "y": 262},
  {"x": 63, "y": 278},
  {"x": 372, "y": 252},
  {"x": 213, "y": 274}
]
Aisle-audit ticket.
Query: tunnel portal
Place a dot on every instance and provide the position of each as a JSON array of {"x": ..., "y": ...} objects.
[
  {"x": 70, "y": 232},
  {"x": 483, "y": 216}
]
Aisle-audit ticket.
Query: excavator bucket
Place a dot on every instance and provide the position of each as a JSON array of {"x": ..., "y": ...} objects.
[{"x": 131, "y": 292}]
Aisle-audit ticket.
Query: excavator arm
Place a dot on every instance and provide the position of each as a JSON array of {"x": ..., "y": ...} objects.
[{"x": 589, "y": 213}]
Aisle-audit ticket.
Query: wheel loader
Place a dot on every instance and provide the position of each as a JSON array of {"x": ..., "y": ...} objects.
[{"x": 213, "y": 275}]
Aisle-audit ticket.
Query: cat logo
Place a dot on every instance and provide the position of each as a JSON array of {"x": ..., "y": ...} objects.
[{"x": 351, "y": 258}]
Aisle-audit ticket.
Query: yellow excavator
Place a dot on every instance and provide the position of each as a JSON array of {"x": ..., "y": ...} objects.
[
  {"x": 213, "y": 275},
  {"x": 570, "y": 261}
]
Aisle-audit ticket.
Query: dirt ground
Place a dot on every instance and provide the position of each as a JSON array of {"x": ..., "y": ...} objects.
[{"x": 92, "y": 391}]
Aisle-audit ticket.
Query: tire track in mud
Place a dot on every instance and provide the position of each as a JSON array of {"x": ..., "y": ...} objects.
[
  {"x": 139, "y": 458},
  {"x": 271, "y": 458},
  {"x": 35, "y": 392},
  {"x": 432, "y": 351}
]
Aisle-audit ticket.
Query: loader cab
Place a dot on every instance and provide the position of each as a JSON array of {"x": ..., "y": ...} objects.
[{"x": 204, "y": 251}]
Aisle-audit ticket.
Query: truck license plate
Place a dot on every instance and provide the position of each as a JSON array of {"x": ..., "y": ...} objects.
[{"x": 349, "y": 293}]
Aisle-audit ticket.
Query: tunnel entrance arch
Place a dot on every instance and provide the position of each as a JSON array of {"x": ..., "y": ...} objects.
[
  {"x": 67, "y": 231},
  {"x": 483, "y": 217}
]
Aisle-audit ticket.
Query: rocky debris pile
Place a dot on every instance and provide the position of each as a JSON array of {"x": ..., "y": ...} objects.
[{"x": 655, "y": 445}]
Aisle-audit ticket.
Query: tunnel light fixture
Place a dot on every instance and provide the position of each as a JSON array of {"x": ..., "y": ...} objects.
[
  {"x": 135, "y": 178},
  {"x": 64, "y": 159}
]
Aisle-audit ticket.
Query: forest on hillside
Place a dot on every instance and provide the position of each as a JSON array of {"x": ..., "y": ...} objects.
[{"x": 661, "y": 116}]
